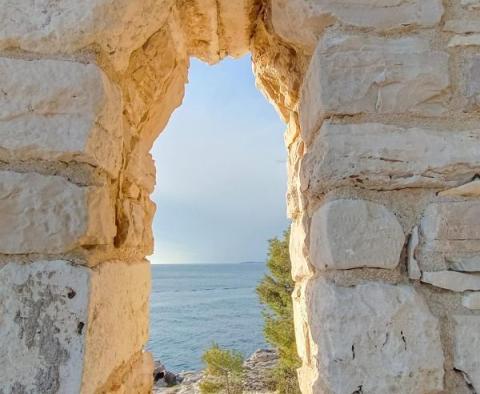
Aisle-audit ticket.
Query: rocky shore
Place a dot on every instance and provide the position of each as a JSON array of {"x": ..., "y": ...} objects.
[{"x": 258, "y": 369}]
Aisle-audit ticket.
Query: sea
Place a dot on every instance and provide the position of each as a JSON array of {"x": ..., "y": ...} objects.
[{"x": 195, "y": 305}]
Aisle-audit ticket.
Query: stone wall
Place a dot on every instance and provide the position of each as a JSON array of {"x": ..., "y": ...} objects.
[{"x": 381, "y": 100}]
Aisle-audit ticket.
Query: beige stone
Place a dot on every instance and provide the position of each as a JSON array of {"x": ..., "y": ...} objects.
[
  {"x": 461, "y": 26},
  {"x": 301, "y": 22},
  {"x": 375, "y": 338},
  {"x": 118, "y": 323},
  {"x": 471, "y": 81},
  {"x": 465, "y": 41},
  {"x": 299, "y": 256},
  {"x": 471, "y": 301},
  {"x": 413, "y": 268},
  {"x": 464, "y": 263},
  {"x": 471, "y": 189},
  {"x": 66, "y": 26},
  {"x": 467, "y": 348},
  {"x": 385, "y": 157},
  {"x": 59, "y": 110},
  {"x": 352, "y": 74},
  {"x": 471, "y": 4},
  {"x": 347, "y": 234},
  {"x": 47, "y": 214},
  {"x": 450, "y": 280},
  {"x": 42, "y": 306}
]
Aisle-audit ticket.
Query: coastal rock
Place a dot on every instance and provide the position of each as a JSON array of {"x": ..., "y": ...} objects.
[
  {"x": 347, "y": 234},
  {"x": 467, "y": 348},
  {"x": 454, "y": 281},
  {"x": 258, "y": 369}
]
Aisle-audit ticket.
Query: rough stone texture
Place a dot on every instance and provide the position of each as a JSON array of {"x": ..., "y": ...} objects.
[
  {"x": 471, "y": 301},
  {"x": 347, "y": 234},
  {"x": 471, "y": 189},
  {"x": 455, "y": 281},
  {"x": 299, "y": 255},
  {"x": 385, "y": 157},
  {"x": 471, "y": 80},
  {"x": 374, "y": 338},
  {"x": 413, "y": 268},
  {"x": 41, "y": 308},
  {"x": 464, "y": 264},
  {"x": 471, "y": 4},
  {"x": 119, "y": 322},
  {"x": 65, "y": 26},
  {"x": 47, "y": 214},
  {"x": 467, "y": 348},
  {"x": 316, "y": 15},
  {"x": 351, "y": 74},
  {"x": 59, "y": 110}
]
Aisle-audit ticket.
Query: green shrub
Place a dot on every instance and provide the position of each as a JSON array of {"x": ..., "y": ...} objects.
[
  {"x": 275, "y": 293},
  {"x": 224, "y": 371}
]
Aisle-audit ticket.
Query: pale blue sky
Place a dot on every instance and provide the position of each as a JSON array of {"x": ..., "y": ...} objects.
[{"x": 221, "y": 172}]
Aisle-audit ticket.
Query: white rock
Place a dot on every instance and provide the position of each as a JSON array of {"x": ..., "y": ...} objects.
[
  {"x": 471, "y": 301},
  {"x": 450, "y": 280},
  {"x": 452, "y": 221},
  {"x": 66, "y": 26},
  {"x": 388, "y": 157},
  {"x": 59, "y": 110},
  {"x": 471, "y": 4},
  {"x": 464, "y": 264},
  {"x": 413, "y": 268},
  {"x": 41, "y": 307},
  {"x": 471, "y": 81},
  {"x": 462, "y": 26},
  {"x": 298, "y": 249},
  {"x": 356, "y": 74},
  {"x": 301, "y": 22},
  {"x": 467, "y": 348},
  {"x": 471, "y": 189},
  {"x": 47, "y": 214},
  {"x": 347, "y": 234},
  {"x": 376, "y": 338},
  {"x": 465, "y": 41}
]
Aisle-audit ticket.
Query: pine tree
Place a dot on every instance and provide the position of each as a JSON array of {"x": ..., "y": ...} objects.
[{"x": 275, "y": 291}]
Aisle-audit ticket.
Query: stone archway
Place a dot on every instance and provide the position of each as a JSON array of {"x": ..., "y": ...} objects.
[{"x": 381, "y": 101}]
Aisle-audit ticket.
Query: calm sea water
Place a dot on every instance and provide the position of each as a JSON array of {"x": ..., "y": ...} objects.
[{"x": 194, "y": 305}]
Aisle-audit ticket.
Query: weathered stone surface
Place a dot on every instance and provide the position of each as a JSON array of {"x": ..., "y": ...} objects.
[
  {"x": 347, "y": 234},
  {"x": 66, "y": 26},
  {"x": 59, "y": 110},
  {"x": 467, "y": 348},
  {"x": 301, "y": 22},
  {"x": 465, "y": 41},
  {"x": 464, "y": 263},
  {"x": 388, "y": 157},
  {"x": 450, "y": 280},
  {"x": 373, "y": 338},
  {"x": 298, "y": 249},
  {"x": 461, "y": 26},
  {"x": 471, "y": 4},
  {"x": 352, "y": 74},
  {"x": 42, "y": 306},
  {"x": 118, "y": 325},
  {"x": 471, "y": 301},
  {"x": 413, "y": 268},
  {"x": 471, "y": 80},
  {"x": 48, "y": 214},
  {"x": 471, "y": 189}
]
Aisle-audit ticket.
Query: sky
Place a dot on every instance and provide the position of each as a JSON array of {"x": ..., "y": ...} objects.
[{"x": 221, "y": 171}]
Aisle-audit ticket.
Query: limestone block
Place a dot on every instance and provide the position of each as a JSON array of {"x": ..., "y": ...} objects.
[
  {"x": 413, "y": 268},
  {"x": 48, "y": 214},
  {"x": 352, "y": 74},
  {"x": 301, "y": 22},
  {"x": 467, "y": 348},
  {"x": 464, "y": 264},
  {"x": 65, "y": 26},
  {"x": 43, "y": 307},
  {"x": 461, "y": 26},
  {"x": 299, "y": 248},
  {"x": 471, "y": 4},
  {"x": 347, "y": 234},
  {"x": 59, "y": 110},
  {"x": 465, "y": 41},
  {"x": 118, "y": 327},
  {"x": 471, "y": 301},
  {"x": 471, "y": 80},
  {"x": 470, "y": 189},
  {"x": 374, "y": 338},
  {"x": 388, "y": 157},
  {"x": 450, "y": 280}
]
